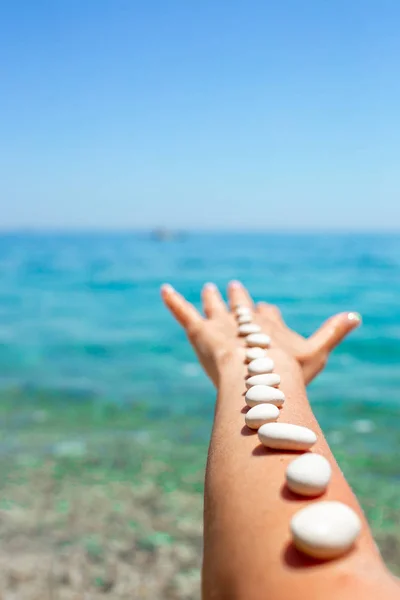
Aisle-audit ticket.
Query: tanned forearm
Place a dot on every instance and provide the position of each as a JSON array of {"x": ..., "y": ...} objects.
[{"x": 247, "y": 546}]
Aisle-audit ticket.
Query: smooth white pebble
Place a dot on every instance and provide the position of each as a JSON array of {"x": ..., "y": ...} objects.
[
  {"x": 253, "y": 353},
  {"x": 258, "y": 339},
  {"x": 286, "y": 436},
  {"x": 260, "y": 414},
  {"x": 272, "y": 379},
  {"x": 245, "y": 319},
  {"x": 308, "y": 475},
  {"x": 264, "y": 394},
  {"x": 260, "y": 365},
  {"x": 243, "y": 310},
  {"x": 248, "y": 328},
  {"x": 325, "y": 530}
]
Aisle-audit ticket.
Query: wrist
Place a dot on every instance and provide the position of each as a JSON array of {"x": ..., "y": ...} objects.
[{"x": 231, "y": 367}]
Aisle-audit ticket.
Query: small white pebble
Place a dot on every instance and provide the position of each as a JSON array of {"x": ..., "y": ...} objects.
[
  {"x": 325, "y": 530},
  {"x": 286, "y": 436},
  {"x": 243, "y": 310},
  {"x": 253, "y": 353},
  {"x": 248, "y": 328},
  {"x": 272, "y": 379},
  {"x": 308, "y": 475},
  {"x": 260, "y": 414},
  {"x": 245, "y": 319},
  {"x": 258, "y": 339},
  {"x": 261, "y": 365},
  {"x": 264, "y": 394}
]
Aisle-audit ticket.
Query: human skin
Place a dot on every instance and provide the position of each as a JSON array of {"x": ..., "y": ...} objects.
[{"x": 248, "y": 553}]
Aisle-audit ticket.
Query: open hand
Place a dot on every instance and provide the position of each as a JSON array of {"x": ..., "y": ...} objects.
[{"x": 214, "y": 337}]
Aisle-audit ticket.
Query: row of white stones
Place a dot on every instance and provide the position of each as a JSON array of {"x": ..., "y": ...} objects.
[{"x": 323, "y": 530}]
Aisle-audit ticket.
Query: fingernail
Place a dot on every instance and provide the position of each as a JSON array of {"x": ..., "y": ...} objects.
[
  {"x": 210, "y": 286},
  {"x": 235, "y": 284},
  {"x": 354, "y": 316},
  {"x": 167, "y": 288}
]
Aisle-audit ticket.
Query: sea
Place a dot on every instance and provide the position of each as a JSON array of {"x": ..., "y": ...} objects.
[{"x": 82, "y": 325}]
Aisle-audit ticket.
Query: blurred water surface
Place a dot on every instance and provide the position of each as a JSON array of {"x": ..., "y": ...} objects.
[{"x": 81, "y": 319}]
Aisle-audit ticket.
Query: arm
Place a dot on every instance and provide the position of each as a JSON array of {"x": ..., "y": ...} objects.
[{"x": 247, "y": 549}]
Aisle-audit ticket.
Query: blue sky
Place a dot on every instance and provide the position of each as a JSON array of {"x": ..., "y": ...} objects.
[{"x": 200, "y": 114}]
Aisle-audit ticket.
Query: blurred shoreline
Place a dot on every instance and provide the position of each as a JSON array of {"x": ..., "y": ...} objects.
[{"x": 91, "y": 504}]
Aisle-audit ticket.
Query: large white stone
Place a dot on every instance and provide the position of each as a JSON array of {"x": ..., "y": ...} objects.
[
  {"x": 264, "y": 394},
  {"x": 248, "y": 328},
  {"x": 325, "y": 530},
  {"x": 286, "y": 436},
  {"x": 258, "y": 339},
  {"x": 272, "y": 379},
  {"x": 308, "y": 475},
  {"x": 261, "y": 365},
  {"x": 253, "y": 353},
  {"x": 260, "y": 414}
]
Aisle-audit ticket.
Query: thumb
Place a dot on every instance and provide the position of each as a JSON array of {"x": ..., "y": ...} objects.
[{"x": 333, "y": 331}]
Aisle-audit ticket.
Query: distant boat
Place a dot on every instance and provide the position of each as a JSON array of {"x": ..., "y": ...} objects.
[{"x": 166, "y": 235}]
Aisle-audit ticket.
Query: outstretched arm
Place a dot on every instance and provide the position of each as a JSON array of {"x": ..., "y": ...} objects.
[{"x": 248, "y": 552}]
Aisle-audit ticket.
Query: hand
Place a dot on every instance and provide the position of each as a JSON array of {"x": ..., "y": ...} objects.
[{"x": 215, "y": 338}]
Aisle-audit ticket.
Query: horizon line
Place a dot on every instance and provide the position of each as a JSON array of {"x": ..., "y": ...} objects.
[{"x": 188, "y": 230}]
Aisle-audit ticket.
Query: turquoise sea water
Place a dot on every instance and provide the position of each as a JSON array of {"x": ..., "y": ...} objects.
[{"x": 81, "y": 322}]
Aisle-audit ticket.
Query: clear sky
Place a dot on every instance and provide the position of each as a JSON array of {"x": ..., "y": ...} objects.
[{"x": 207, "y": 114}]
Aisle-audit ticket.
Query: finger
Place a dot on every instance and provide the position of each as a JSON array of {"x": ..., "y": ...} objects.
[
  {"x": 333, "y": 331},
  {"x": 213, "y": 303},
  {"x": 184, "y": 312},
  {"x": 270, "y": 311},
  {"x": 238, "y": 294}
]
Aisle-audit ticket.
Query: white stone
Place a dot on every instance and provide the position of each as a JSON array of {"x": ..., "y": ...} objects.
[
  {"x": 264, "y": 394},
  {"x": 242, "y": 310},
  {"x": 325, "y": 529},
  {"x": 245, "y": 319},
  {"x": 272, "y": 379},
  {"x": 253, "y": 353},
  {"x": 248, "y": 328},
  {"x": 260, "y": 414},
  {"x": 286, "y": 436},
  {"x": 261, "y": 365},
  {"x": 258, "y": 339},
  {"x": 308, "y": 475}
]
